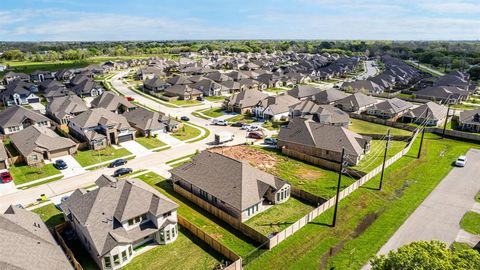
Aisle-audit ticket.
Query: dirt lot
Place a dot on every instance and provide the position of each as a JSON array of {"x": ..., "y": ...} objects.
[{"x": 257, "y": 158}]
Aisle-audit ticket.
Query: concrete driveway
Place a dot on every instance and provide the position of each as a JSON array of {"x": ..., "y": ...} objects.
[
  {"x": 74, "y": 168},
  {"x": 135, "y": 148},
  {"x": 38, "y": 107},
  {"x": 7, "y": 188},
  {"x": 168, "y": 139}
]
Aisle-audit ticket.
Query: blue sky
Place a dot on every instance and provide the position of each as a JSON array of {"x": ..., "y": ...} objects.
[{"x": 35, "y": 20}]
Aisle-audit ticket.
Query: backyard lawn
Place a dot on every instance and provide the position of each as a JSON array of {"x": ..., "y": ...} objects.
[
  {"x": 91, "y": 157},
  {"x": 279, "y": 216},
  {"x": 187, "y": 252},
  {"x": 186, "y": 132},
  {"x": 403, "y": 191},
  {"x": 471, "y": 222},
  {"x": 204, "y": 220},
  {"x": 375, "y": 156},
  {"x": 23, "y": 173},
  {"x": 49, "y": 214},
  {"x": 150, "y": 143},
  {"x": 360, "y": 126}
]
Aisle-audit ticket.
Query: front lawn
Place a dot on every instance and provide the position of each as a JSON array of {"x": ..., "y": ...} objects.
[
  {"x": 477, "y": 197},
  {"x": 471, "y": 222},
  {"x": 215, "y": 98},
  {"x": 50, "y": 215},
  {"x": 23, "y": 173},
  {"x": 214, "y": 112},
  {"x": 241, "y": 118},
  {"x": 186, "y": 132},
  {"x": 357, "y": 241},
  {"x": 185, "y": 103},
  {"x": 365, "y": 127},
  {"x": 187, "y": 252},
  {"x": 216, "y": 228},
  {"x": 150, "y": 143},
  {"x": 91, "y": 157},
  {"x": 279, "y": 216}
]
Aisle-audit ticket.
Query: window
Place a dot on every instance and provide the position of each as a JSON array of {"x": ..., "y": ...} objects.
[
  {"x": 130, "y": 222},
  {"x": 137, "y": 220},
  {"x": 124, "y": 255},
  {"x": 35, "y": 157},
  {"x": 116, "y": 260},
  {"x": 162, "y": 236},
  {"x": 107, "y": 262},
  {"x": 144, "y": 217},
  {"x": 173, "y": 232},
  {"x": 168, "y": 235},
  {"x": 167, "y": 214},
  {"x": 130, "y": 251}
]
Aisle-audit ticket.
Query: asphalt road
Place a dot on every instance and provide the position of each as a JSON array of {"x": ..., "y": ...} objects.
[{"x": 438, "y": 217}]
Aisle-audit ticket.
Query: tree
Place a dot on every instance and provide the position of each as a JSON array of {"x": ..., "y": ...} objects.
[
  {"x": 13, "y": 55},
  {"x": 425, "y": 255},
  {"x": 474, "y": 72}
]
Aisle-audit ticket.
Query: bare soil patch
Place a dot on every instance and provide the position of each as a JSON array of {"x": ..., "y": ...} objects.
[{"x": 257, "y": 158}]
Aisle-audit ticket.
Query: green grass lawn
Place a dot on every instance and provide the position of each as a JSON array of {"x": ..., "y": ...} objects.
[
  {"x": 477, "y": 197},
  {"x": 214, "y": 112},
  {"x": 462, "y": 106},
  {"x": 375, "y": 156},
  {"x": 204, "y": 220},
  {"x": 240, "y": 118},
  {"x": 50, "y": 215},
  {"x": 316, "y": 180},
  {"x": 187, "y": 252},
  {"x": 360, "y": 126},
  {"x": 275, "y": 90},
  {"x": 280, "y": 216},
  {"x": 91, "y": 157},
  {"x": 185, "y": 103},
  {"x": 403, "y": 191},
  {"x": 23, "y": 173},
  {"x": 29, "y": 67},
  {"x": 471, "y": 222},
  {"x": 150, "y": 143},
  {"x": 10, "y": 148},
  {"x": 186, "y": 132},
  {"x": 458, "y": 246},
  {"x": 81, "y": 255},
  {"x": 215, "y": 98},
  {"x": 53, "y": 179}
]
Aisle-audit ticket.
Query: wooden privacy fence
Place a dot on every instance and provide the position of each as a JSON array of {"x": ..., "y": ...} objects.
[
  {"x": 57, "y": 232},
  {"x": 279, "y": 237},
  {"x": 214, "y": 244}
]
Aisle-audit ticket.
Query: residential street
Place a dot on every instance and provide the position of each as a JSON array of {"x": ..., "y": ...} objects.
[
  {"x": 370, "y": 70},
  {"x": 438, "y": 217}
]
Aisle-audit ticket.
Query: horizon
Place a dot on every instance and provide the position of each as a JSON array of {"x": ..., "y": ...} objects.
[{"x": 149, "y": 20}]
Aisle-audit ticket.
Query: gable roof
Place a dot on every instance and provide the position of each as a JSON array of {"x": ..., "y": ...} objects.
[
  {"x": 15, "y": 115},
  {"x": 39, "y": 139},
  {"x": 279, "y": 104},
  {"x": 470, "y": 117},
  {"x": 394, "y": 105},
  {"x": 235, "y": 182},
  {"x": 66, "y": 105},
  {"x": 144, "y": 119},
  {"x": 302, "y": 91},
  {"x": 110, "y": 101},
  {"x": 247, "y": 98},
  {"x": 329, "y": 96},
  {"x": 358, "y": 100},
  {"x": 102, "y": 116},
  {"x": 435, "y": 111}
]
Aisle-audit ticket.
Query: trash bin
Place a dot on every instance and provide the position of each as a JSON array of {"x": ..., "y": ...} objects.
[{"x": 43, "y": 197}]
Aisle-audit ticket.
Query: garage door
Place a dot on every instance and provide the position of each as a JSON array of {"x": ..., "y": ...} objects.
[
  {"x": 59, "y": 153},
  {"x": 33, "y": 100},
  {"x": 125, "y": 138}
]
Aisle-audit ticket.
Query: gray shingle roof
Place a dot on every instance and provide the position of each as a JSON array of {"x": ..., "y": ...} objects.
[
  {"x": 66, "y": 105},
  {"x": 358, "y": 100},
  {"x": 302, "y": 91},
  {"x": 327, "y": 114},
  {"x": 329, "y": 96},
  {"x": 93, "y": 117},
  {"x": 39, "y": 139},
  {"x": 435, "y": 111},
  {"x": 247, "y": 98},
  {"x": 111, "y": 101},
  {"x": 144, "y": 119},
  {"x": 394, "y": 105},
  {"x": 15, "y": 115}
]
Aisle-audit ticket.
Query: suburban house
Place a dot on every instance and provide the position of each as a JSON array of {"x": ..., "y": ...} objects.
[
  {"x": 155, "y": 85},
  {"x": 303, "y": 91},
  {"x": 390, "y": 108},
  {"x": 364, "y": 86},
  {"x": 183, "y": 92},
  {"x": 317, "y": 140},
  {"x": 62, "y": 109},
  {"x": 244, "y": 101},
  {"x": 147, "y": 123},
  {"x": 36, "y": 144},
  {"x": 112, "y": 102},
  {"x": 234, "y": 186},
  {"x": 101, "y": 128},
  {"x": 430, "y": 114},
  {"x": 39, "y": 76},
  {"x": 210, "y": 88},
  {"x": 85, "y": 86},
  {"x": 49, "y": 84},
  {"x": 275, "y": 108},
  {"x": 148, "y": 73},
  {"x": 178, "y": 79},
  {"x": 119, "y": 216},
  {"x": 11, "y": 76},
  {"x": 329, "y": 96},
  {"x": 16, "y": 118},
  {"x": 469, "y": 120},
  {"x": 445, "y": 94},
  {"x": 323, "y": 114},
  {"x": 64, "y": 75},
  {"x": 4, "y": 164},
  {"x": 357, "y": 102},
  {"x": 30, "y": 242},
  {"x": 57, "y": 91},
  {"x": 19, "y": 93}
]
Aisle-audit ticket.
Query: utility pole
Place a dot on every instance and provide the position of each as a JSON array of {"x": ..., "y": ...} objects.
[
  {"x": 446, "y": 121},
  {"x": 387, "y": 144},
  {"x": 338, "y": 188},
  {"x": 423, "y": 134}
]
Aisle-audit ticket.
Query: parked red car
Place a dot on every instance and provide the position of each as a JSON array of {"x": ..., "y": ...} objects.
[
  {"x": 130, "y": 99},
  {"x": 5, "y": 177},
  {"x": 255, "y": 135}
]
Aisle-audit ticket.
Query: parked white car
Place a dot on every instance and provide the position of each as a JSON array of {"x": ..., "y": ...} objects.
[
  {"x": 246, "y": 126},
  {"x": 461, "y": 161},
  {"x": 253, "y": 128},
  {"x": 220, "y": 122}
]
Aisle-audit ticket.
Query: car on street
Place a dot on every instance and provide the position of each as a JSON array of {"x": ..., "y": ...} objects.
[
  {"x": 122, "y": 171},
  {"x": 255, "y": 135},
  {"x": 200, "y": 98},
  {"x": 117, "y": 163},
  {"x": 270, "y": 141},
  {"x": 461, "y": 161},
  {"x": 253, "y": 128},
  {"x": 245, "y": 126},
  {"x": 5, "y": 177},
  {"x": 184, "y": 118},
  {"x": 60, "y": 164},
  {"x": 130, "y": 99},
  {"x": 237, "y": 124},
  {"x": 220, "y": 122}
]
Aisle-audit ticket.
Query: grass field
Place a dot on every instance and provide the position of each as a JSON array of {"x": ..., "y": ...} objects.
[
  {"x": 186, "y": 253},
  {"x": 186, "y": 132},
  {"x": 91, "y": 157},
  {"x": 471, "y": 222},
  {"x": 403, "y": 191},
  {"x": 365, "y": 127},
  {"x": 279, "y": 216},
  {"x": 204, "y": 220},
  {"x": 215, "y": 98},
  {"x": 150, "y": 143},
  {"x": 49, "y": 214},
  {"x": 23, "y": 173},
  {"x": 185, "y": 103},
  {"x": 375, "y": 156},
  {"x": 29, "y": 67}
]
